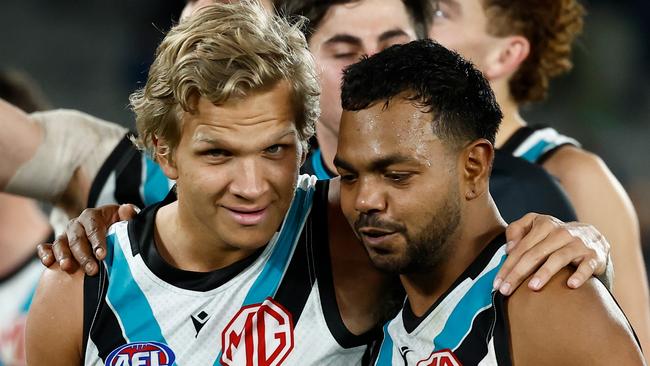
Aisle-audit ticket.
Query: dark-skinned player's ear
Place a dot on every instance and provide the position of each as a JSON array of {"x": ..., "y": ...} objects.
[{"x": 477, "y": 166}]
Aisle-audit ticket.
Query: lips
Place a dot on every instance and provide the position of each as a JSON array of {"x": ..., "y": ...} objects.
[
  {"x": 376, "y": 237},
  {"x": 247, "y": 216}
]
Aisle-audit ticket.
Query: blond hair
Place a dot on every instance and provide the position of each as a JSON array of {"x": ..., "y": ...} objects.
[
  {"x": 551, "y": 28},
  {"x": 224, "y": 51}
]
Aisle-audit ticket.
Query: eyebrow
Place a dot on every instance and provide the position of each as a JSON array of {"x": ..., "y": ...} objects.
[
  {"x": 376, "y": 165},
  {"x": 215, "y": 141},
  {"x": 344, "y": 38},
  {"x": 392, "y": 34}
]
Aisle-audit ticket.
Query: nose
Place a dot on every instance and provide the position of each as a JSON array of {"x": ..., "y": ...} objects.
[
  {"x": 369, "y": 197},
  {"x": 249, "y": 180},
  {"x": 370, "y": 51}
]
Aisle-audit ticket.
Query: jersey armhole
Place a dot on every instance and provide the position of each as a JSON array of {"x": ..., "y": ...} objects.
[
  {"x": 547, "y": 155},
  {"x": 501, "y": 332},
  {"x": 93, "y": 292},
  {"x": 342, "y": 335},
  {"x": 114, "y": 163}
]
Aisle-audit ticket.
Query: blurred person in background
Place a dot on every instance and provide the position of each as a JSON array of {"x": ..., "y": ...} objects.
[
  {"x": 520, "y": 47},
  {"x": 23, "y": 225}
]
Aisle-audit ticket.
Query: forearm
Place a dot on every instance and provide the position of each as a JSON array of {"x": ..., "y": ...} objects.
[{"x": 71, "y": 140}]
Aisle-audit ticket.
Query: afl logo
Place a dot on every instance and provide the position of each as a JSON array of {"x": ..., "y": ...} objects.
[
  {"x": 141, "y": 354},
  {"x": 258, "y": 335}
]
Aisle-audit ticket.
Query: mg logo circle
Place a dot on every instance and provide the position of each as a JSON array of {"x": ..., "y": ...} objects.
[{"x": 258, "y": 335}]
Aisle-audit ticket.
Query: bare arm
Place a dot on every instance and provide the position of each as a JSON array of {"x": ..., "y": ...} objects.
[
  {"x": 600, "y": 200},
  {"x": 54, "y": 333},
  {"x": 54, "y": 155},
  {"x": 19, "y": 140},
  {"x": 562, "y": 326}
]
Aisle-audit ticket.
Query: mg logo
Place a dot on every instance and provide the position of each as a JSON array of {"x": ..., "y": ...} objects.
[
  {"x": 258, "y": 335},
  {"x": 440, "y": 358}
]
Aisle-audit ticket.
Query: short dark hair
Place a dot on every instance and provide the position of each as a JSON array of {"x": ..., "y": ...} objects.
[
  {"x": 420, "y": 12},
  {"x": 441, "y": 81}
]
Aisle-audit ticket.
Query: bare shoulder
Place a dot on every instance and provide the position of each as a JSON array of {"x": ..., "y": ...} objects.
[
  {"x": 571, "y": 162},
  {"x": 54, "y": 333},
  {"x": 559, "y": 325}
]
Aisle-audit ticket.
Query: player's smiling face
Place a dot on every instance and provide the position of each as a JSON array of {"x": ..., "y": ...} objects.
[
  {"x": 399, "y": 185},
  {"x": 236, "y": 167}
]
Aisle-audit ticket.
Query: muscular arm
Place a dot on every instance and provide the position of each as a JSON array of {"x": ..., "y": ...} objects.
[
  {"x": 19, "y": 140},
  {"x": 600, "y": 200},
  {"x": 54, "y": 333},
  {"x": 562, "y": 326}
]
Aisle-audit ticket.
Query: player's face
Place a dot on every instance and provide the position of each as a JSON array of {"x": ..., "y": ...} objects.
[
  {"x": 236, "y": 166},
  {"x": 461, "y": 25},
  {"x": 347, "y": 32},
  {"x": 399, "y": 186}
]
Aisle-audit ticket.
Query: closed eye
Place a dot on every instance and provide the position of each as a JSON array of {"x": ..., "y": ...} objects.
[
  {"x": 399, "y": 178},
  {"x": 348, "y": 178},
  {"x": 218, "y": 153}
]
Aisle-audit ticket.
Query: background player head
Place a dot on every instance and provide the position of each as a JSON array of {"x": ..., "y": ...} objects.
[
  {"x": 519, "y": 46},
  {"x": 230, "y": 102},
  {"x": 414, "y": 156},
  {"x": 339, "y": 33}
]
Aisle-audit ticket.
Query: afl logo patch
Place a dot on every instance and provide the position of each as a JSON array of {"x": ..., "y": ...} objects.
[{"x": 141, "y": 354}]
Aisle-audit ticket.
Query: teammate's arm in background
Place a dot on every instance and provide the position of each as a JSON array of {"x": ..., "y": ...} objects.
[
  {"x": 600, "y": 200},
  {"x": 560, "y": 326},
  {"x": 54, "y": 332},
  {"x": 54, "y": 156}
]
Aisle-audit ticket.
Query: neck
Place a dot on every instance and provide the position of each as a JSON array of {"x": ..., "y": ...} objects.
[
  {"x": 475, "y": 231},
  {"x": 512, "y": 120},
  {"x": 186, "y": 244},
  {"x": 327, "y": 142},
  {"x": 22, "y": 227}
]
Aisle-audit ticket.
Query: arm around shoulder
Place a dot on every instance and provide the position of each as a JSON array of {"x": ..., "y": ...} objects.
[
  {"x": 54, "y": 333},
  {"x": 563, "y": 326}
]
